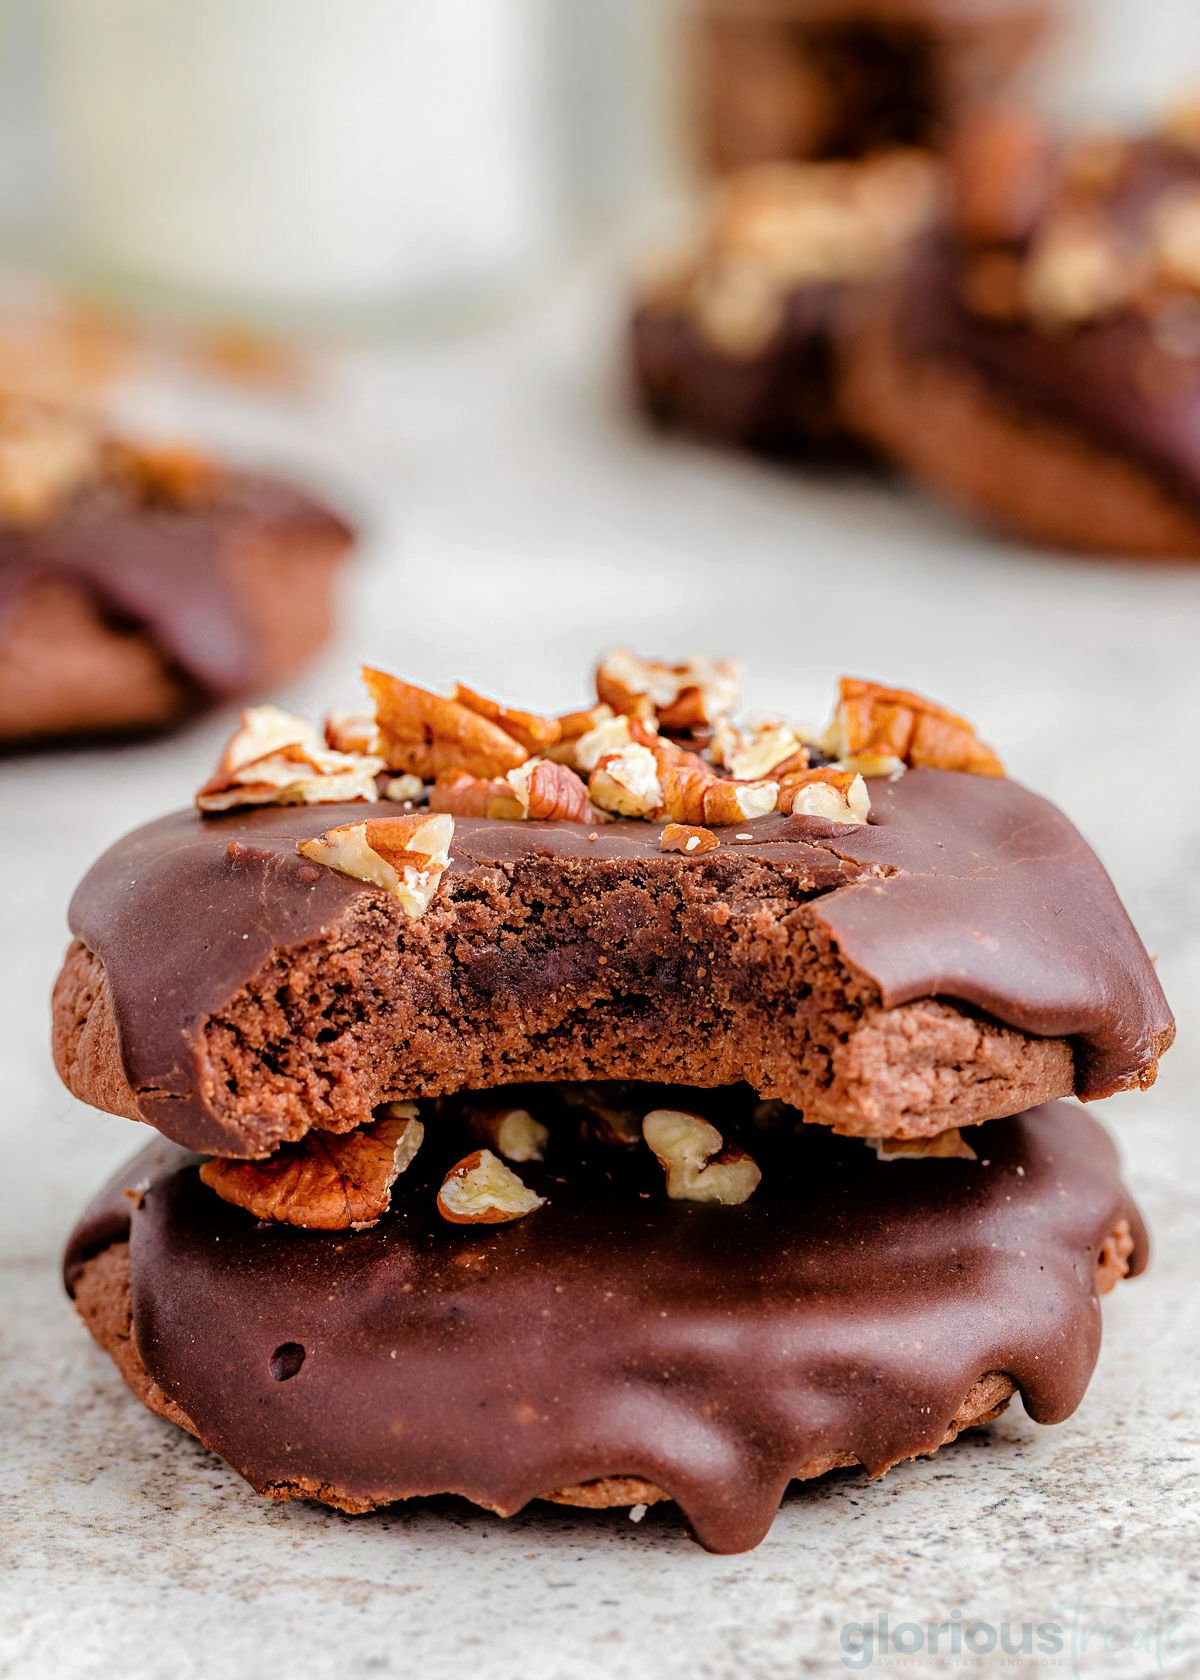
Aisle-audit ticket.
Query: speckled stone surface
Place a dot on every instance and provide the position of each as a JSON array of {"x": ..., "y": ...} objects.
[{"x": 520, "y": 525}]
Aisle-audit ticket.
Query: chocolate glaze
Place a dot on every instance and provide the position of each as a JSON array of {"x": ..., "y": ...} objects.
[
  {"x": 782, "y": 400},
  {"x": 962, "y": 887},
  {"x": 850, "y": 1305},
  {"x": 1105, "y": 377},
  {"x": 170, "y": 570}
]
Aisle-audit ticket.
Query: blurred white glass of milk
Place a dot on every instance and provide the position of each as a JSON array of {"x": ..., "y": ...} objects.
[{"x": 344, "y": 156}]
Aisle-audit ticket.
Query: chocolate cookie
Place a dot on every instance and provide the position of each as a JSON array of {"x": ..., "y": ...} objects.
[
  {"x": 735, "y": 339},
  {"x": 617, "y": 1346},
  {"x": 840, "y": 78},
  {"x": 138, "y": 584},
  {"x": 1039, "y": 361},
  {"x": 880, "y": 929}
]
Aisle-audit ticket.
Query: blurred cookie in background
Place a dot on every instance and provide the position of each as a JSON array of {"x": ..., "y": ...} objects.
[
  {"x": 842, "y": 78},
  {"x": 1038, "y": 362},
  {"x": 734, "y": 337},
  {"x": 140, "y": 583}
]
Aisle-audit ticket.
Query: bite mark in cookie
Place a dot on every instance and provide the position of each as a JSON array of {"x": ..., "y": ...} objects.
[{"x": 949, "y": 952}]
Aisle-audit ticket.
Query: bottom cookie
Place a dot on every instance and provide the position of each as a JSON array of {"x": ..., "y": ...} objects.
[{"x": 616, "y": 1348}]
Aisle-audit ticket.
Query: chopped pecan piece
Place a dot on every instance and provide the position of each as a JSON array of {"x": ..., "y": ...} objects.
[
  {"x": 700, "y": 796},
  {"x": 686, "y": 837},
  {"x": 763, "y": 749},
  {"x": 474, "y": 796},
  {"x": 698, "y": 1166},
  {"x": 839, "y": 795},
  {"x": 406, "y": 855},
  {"x": 481, "y": 1190},
  {"x": 427, "y": 735},
  {"x": 46, "y": 454},
  {"x": 626, "y": 782},
  {"x": 173, "y": 474},
  {"x": 325, "y": 1182},
  {"x": 276, "y": 758},
  {"x": 536, "y": 734},
  {"x": 949, "y": 1145},
  {"x": 511, "y": 1132},
  {"x": 694, "y": 694},
  {"x": 892, "y": 726},
  {"x": 550, "y": 792},
  {"x": 352, "y": 732}
]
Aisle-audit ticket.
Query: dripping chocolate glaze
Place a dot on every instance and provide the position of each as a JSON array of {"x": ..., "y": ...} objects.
[
  {"x": 166, "y": 569},
  {"x": 1096, "y": 376},
  {"x": 962, "y": 887},
  {"x": 711, "y": 1350}
]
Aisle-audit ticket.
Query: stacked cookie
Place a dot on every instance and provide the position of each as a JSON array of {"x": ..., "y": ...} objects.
[
  {"x": 780, "y": 79},
  {"x": 609, "y": 1107},
  {"x": 142, "y": 582},
  {"x": 1030, "y": 352},
  {"x": 1038, "y": 362}
]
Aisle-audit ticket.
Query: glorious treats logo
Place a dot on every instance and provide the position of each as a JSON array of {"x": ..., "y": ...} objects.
[{"x": 1075, "y": 1639}]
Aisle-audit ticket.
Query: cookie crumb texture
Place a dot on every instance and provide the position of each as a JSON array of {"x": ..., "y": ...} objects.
[
  {"x": 619, "y": 1348},
  {"x": 962, "y": 956}
]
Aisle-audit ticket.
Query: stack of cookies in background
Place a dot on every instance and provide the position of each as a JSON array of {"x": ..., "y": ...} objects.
[
  {"x": 898, "y": 259},
  {"x": 617, "y": 1106}
]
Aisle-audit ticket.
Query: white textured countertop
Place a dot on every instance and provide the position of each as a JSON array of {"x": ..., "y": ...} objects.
[{"x": 519, "y": 525}]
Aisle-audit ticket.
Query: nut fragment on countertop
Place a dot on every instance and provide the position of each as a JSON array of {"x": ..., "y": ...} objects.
[
  {"x": 481, "y": 1190},
  {"x": 698, "y": 1165},
  {"x": 511, "y": 1131},
  {"x": 692, "y": 694},
  {"x": 405, "y": 855},
  {"x": 325, "y": 1182},
  {"x": 276, "y": 758}
]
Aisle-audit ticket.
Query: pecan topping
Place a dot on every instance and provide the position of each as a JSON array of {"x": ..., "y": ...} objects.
[
  {"x": 876, "y": 726},
  {"x": 276, "y": 758},
  {"x": 427, "y": 735},
  {"x": 46, "y": 455},
  {"x": 695, "y": 694},
  {"x": 949, "y": 1145},
  {"x": 481, "y": 1190},
  {"x": 550, "y": 792},
  {"x": 703, "y": 797},
  {"x": 839, "y": 795},
  {"x": 474, "y": 796},
  {"x": 534, "y": 733},
  {"x": 172, "y": 474},
  {"x": 325, "y": 1182},
  {"x": 511, "y": 1132},
  {"x": 406, "y": 855},
  {"x": 693, "y": 1155},
  {"x": 685, "y": 837}
]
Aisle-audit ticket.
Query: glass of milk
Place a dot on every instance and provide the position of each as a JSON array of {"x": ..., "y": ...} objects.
[{"x": 341, "y": 158}]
